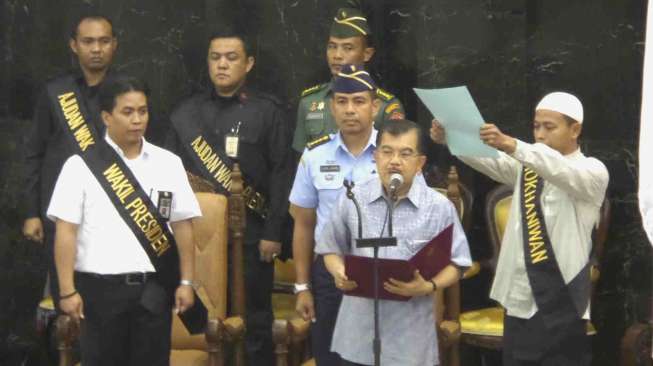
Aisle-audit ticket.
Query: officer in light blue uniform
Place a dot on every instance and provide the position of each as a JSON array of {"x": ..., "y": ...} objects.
[
  {"x": 322, "y": 170},
  {"x": 326, "y": 163}
]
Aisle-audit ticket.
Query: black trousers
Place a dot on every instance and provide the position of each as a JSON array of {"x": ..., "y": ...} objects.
[
  {"x": 530, "y": 342},
  {"x": 327, "y": 302},
  {"x": 124, "y": 324},
  {"x": 259, "y": 278}
]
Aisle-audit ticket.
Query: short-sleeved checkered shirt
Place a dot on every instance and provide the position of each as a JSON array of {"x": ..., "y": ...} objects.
[{"x": 408, "y": 333}]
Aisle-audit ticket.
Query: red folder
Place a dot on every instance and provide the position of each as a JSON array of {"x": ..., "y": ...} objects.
[{"x": 430, "y": 260}]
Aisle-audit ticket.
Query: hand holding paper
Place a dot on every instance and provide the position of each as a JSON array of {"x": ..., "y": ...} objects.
[
  {"x": 418, "y": 286},
  {"x": 455, "y": 109},
  {"x": 427, "y": 262},
  {"x": 342, "y": 282},
  {"x": 492, "y": 136}
]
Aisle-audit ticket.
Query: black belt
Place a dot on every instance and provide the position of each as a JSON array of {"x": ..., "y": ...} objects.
[{"x": 131, "y": 278}]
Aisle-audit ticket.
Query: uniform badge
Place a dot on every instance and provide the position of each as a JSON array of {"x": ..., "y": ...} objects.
[
  {"x": 313, "y": 107},
  {"x": 165, "y": 204},
  {"x": 231, "y": 142},
  {"x": 384, "y": 95},
  {"x": 329, "y": 168},
  {"x": 317, "y": 142},
  {"x": 315, "y": 115},
  {"x": 391, "y": 108},
  {"x": 397, "y": 115},
  {"x": 320, "y": 106}
]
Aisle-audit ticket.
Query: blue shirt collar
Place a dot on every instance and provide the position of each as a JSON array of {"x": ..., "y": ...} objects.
[
  {"x": 417, "y": 187},
  {"x": 371, "y": 143}
]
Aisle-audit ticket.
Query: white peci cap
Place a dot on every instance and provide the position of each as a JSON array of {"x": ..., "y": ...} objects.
[{"x": 564, "y": 103}]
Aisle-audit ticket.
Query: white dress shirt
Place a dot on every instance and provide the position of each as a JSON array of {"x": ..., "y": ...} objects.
[
  {"x": 573, "y": 192},
  {"x": 105, "y": 244}
]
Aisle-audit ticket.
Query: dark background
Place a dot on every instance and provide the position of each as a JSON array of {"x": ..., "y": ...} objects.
[{"x": 508, "y": 52}]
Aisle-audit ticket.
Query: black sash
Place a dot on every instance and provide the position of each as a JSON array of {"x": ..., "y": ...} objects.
[
  {"x": 208, "y": 155},
  {"x": 558, "y": 303},
  {"x": 128, "y": 197}
]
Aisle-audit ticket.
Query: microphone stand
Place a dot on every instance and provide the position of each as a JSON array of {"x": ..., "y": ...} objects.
[{"x": 374, "y": 243}]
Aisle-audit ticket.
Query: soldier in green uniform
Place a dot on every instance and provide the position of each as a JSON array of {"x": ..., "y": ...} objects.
[{"x": 349, "y": 43}]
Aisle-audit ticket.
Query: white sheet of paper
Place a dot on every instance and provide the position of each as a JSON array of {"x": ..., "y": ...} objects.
[{"x": 455, "y": 109}]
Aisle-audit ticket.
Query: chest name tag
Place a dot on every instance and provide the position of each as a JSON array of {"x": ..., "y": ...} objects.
[
  {"x": 165, "y": 204},
  {"x": 315, "y": 115},
  {"x": 329, "y": 168}
]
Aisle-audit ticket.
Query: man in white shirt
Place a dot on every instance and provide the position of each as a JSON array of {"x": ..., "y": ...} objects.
[
  {"x": 106, "y": 276},
  {"x": 542, "y": 276}
]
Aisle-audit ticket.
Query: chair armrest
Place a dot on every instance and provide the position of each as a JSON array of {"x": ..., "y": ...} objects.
[
  {"x": 287, "y": 331},
  {"x": 450, "y": 332},
  {"x": 235, "y": 328},
  {"x": 281, "y": 332},
  {"x": 215, "y": 333},
  {"x": 299, "y": 329}
]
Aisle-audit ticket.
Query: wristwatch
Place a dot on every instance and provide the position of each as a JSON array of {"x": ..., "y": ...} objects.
[
  {"x": 186, "y": 283},
  {"x": 299, "y": 287}
]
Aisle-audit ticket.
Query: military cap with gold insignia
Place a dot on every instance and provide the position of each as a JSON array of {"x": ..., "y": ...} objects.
[
  {"x": 349, "y": 22},
  {"x": 352, "y": 79}
]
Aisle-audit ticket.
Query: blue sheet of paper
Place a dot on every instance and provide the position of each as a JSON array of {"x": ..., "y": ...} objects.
[{"x": 455, "y": 109}]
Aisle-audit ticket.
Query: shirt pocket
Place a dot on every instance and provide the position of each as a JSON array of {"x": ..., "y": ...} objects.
[
  {"x": 315, "y": 127},
  {"x": 551, "y": 204},
  {"x": 328, "y": 185},
  {"x": 249, "y": 133}
]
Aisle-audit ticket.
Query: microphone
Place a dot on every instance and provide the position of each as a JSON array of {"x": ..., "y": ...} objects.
[{"x": 396, "y": 180}]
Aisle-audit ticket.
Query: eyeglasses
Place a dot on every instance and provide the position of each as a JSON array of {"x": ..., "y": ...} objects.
[{"x": 405, "y": 154}]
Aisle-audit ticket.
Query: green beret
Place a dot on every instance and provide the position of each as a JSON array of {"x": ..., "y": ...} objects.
[{"x": 349, "y": 22}]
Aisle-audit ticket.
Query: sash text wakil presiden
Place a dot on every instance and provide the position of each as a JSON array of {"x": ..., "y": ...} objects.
[
  {"x": 120, "y": 267},
  {"x": 408, "y": 331}
]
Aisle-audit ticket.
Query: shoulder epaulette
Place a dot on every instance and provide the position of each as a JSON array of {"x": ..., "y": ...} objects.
[
  {"x": 384, "y": 95},
  {"x": 312, "y": 89},
  {"x": 317, "y": 142}
]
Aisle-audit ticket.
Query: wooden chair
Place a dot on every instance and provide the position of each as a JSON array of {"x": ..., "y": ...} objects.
[
  {"x": 210, "y": 234},
  {"x": 484, "y": 328},
  {"x": 447, "y": 301},
  {"x": 289, "y": 330}
]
